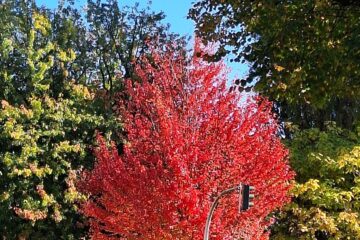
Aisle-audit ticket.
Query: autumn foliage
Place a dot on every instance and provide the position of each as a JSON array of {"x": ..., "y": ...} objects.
[{"x": 187, "y": 139}]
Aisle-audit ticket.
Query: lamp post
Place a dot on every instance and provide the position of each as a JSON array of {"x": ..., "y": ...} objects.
[{"x": 244, "y": 203}]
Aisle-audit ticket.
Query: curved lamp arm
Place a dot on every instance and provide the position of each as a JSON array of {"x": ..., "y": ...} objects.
[{"x": 215, "y": 204}]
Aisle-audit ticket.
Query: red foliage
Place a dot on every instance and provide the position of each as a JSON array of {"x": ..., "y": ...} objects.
[{"x": 187, "y": 140}]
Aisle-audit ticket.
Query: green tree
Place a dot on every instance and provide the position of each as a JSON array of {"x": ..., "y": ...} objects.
[
  {"x": 327, "y": 192},
  {"x": 106, "y": 40},
  {"x": 302, "y": 54},
  {"x": 45, "y": 139},
  {"x": 52, "y": 36},
  {"x": 119, "y": 36},
  {"x": 44, "y": 144}
]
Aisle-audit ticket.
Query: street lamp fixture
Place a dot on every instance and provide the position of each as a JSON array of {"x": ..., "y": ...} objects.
[{"x": 245, "y": 202}]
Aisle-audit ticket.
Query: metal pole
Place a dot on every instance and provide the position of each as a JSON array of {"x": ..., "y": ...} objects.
[{"x": 213, "y": 207}]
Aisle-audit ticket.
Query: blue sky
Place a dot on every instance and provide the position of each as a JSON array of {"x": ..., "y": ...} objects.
[{"x": 175, "y": 11}]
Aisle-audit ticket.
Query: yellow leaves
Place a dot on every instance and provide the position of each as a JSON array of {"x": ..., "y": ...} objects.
[
  {"x": 36, "y": 107},
  {"x": 71, "y": 194},
  {"x": 310, "y": 220},
  {"x": 333, "y": 44},
  {"x": 9, "y": 125},
  {"x": 50, "y": 102},
  {"x": 348, "y": 217},
  {"x": 38, "y": 68},
  {"x": 71, "y": 54},
  {"x": 346, "y": 196},
  {"x": 21, "y": 172},
  {"x": 7, "y": 43},
  {"x": 66, "y": 146},
  {"x": 279, "y": 68},
  {"x": 350, "y": 161},
  {"x": 4, "y": 196},
  {"x": 46, "y": 199},
  {"x": 41, "y": 23},
  {"x": 62, "y": 55},
  {"x": 282, "y": 86},
  {"x": 17, "y": 134},
  {"x": 297, "y": 69},
  {"x": 7, "y": 159},
  {"x": 324, "y": 222},
  {"x": 82, "y": 92},
  {"x": 39, "y": 75},
  {"x": 323, "y": 194},
  {"x": 9, "y": 116},
  {"x": 49, "y": 46},
  {"x": 6, "y": 47},
  {"x": 66, "y": 56},
  {"x": 31, "y": 41},
  {"x": 42, "y": 52},
  {"x": 5, "y": 76},
  {"x": 352, "y": 222},
  {"x": 303, "y": 228},
  {"x": 61, "y": 149},
  {"x": 28, "y": 113},
  {"x": 311, "y": 185},
  {"x": 40, "y": 172}
]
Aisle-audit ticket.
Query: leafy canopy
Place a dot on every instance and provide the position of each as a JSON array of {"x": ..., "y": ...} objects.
[
  {"x": 44, "y": 139},
  {"x": 187, "y": 140},
  {"x": 302, "y": 54},
  {"x": 327, "y": 199}
]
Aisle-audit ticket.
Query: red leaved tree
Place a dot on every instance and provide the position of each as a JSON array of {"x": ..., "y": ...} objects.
[{"x": 188, "y": 139}]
